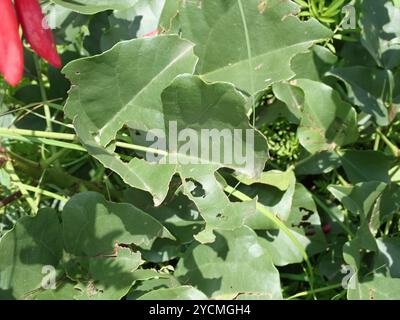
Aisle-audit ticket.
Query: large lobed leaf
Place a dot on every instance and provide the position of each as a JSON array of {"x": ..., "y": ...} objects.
[
  {"x": 251, "y": 48},
  {"x": 151, "y": 102}
]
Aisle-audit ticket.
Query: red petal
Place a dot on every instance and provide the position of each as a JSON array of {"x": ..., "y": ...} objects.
[
  {"x": 151, "y": 34},
  {"x": 41, "y": 39},
  {"x": 11, "y": 50}
]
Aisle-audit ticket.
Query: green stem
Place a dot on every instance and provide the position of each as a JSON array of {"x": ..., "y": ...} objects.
[
  {"x": 44, "y": 141},
  {"x": 17, "y": 182},
  {"x": 330, "y": 213},
  {"x": 40, "y": 135},
  {"x": 377, "y": 142},
  {"x": 342, "y": 180},
  {"x": 393, "y": 148},
  {"x": 306, "y": 293},
  {"x": 47, "y": 112},
  {"x": 45, "y": 193}
]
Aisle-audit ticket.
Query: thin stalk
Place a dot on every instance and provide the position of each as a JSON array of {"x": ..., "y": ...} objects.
[
  {"x": 44, "y": 141},
  {"x": 307, "y": 293},
  {"x": 43, "y": 94},
  {"x": 393, "y": 148},
  {"x": 17, "y": 182},
  {"x": 55, "y": 157},
  {"x": 330, "y": 213},
  {"x": 45, "y": 193},
  {"x": 46, "y": 138},
  {"x": 38, "y": 134},
  {"x": 377, "y": 142},
  {"x": 342, "y": 180},
  {"x": 38, "y": 196}
]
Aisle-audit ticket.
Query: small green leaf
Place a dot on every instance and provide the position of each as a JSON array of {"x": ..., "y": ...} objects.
[
  {"x": 94, "y": 6},
  {"x": 366, "y": 165},
  {"x": 381, "y": 32},
  {"x": 179, "y": 293},
  {"x": 368, "y": 88},
  {"x": 26, "y": 250}
]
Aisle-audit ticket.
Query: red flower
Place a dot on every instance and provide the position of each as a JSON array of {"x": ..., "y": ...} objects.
[
  {"x": 11, "y": 52},
  {"x": 40, "y": 37}
]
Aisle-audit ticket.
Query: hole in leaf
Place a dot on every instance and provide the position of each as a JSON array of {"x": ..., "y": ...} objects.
[{"x": 197, "y": 190}]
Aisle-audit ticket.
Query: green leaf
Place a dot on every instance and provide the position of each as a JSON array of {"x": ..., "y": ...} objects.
[
  {"x": 368, "y": 88},
  {"x": 305, "y": 219},
  {"x": 65, "y": 291},
  {"x": 217, "y": 269},
  {"x": 275, "y": 178},
  {"x": 313, "y": 64},
  {"x": 33, "y": 243},
  {"x": 179, "y": 215},
  {"x": 355, "y": 54},
  {"x": 220, "y": 30},
  {"x": 98, "y": 115},
  {"x": 292, "y": 96},
  {"x": 318, "y": 163},
  {"x": 169, "y": 19},
  {"x": 366, "y": 165},
  {"x": 360, "y": 198},
  {"x": 389, "y": 258},
  {"x": 94, "y": 6},
  {"x": 396, "y": 91},
  {"x": 387, "y": 207},
  {"x": 144, "y": 286},
  {"x": 179, "y": 293},
  {"x": 92, "y": 226},
  {"x": 158, "y": 60},
  {"x": 149, "y": 10},
  {"x": 281, "y": 246},
  {"x": 110, "y": 277},
  {"x": 106, "y": 30},
  {"x": 376, "y": 288},
  {"x": 381, "y": 32},
  {"x": 100, "y": 240},
  {"x": 325, "y": 126},
  {"x": 184, "y": 103},
  {"x": 276, "y": 201}
]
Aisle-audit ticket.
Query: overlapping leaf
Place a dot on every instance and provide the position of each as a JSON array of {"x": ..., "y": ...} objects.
[
  {"x": 217, "y": 269},
  {"x": 370, "y": 89},
  {"x": 143, "y": 104},
  {"x": 94, "y": 6},
  {"x": 33, "y": 244},
  {"x": 327, "y": 120},
  {"x": 381, "y": 32},
  {"x": 97, "y": 245},
  {"x": 251, "y": 48}
]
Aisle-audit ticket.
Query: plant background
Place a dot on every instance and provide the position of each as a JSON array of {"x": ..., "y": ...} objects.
[{"x": 76, "y": 195}]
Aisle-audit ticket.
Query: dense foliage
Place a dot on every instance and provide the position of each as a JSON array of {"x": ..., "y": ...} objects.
[{"x": 315, "y": 217}]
